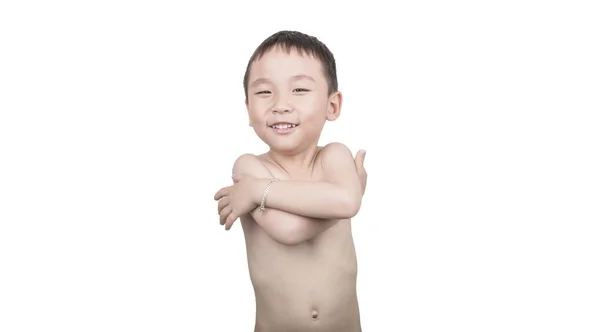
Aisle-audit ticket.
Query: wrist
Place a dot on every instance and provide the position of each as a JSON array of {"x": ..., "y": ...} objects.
[{"x": 259, "y": 190}]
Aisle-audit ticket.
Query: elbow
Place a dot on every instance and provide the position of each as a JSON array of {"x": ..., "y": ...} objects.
[
  {"x": 290, "y": 232},
  {"x": 351, "y": 206},
  {"x": 347, "y": 203},
  {"x": 293, "y": 234},
  {"x": 290, "y": 237}
]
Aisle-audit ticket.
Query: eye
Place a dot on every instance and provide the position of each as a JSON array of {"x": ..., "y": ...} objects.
[
  {"x": 301, "y": 90},
  {"x": 263, "y": 92}
]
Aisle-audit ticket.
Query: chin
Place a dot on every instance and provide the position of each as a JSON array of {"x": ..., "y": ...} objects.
[
  {"x": 285, "y": 144},
  {"x": 289, "y": 148},
  {"x": 285, "y": 148}
]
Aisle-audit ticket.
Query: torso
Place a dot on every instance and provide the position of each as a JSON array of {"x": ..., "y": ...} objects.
[{"x": 307, "y": 287}]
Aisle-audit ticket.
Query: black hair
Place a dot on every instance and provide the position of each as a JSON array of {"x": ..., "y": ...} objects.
[{"x": 303, "y": 44}]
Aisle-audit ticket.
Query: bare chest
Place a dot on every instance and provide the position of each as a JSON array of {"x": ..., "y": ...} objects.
[{"x": 310, "y": 173}]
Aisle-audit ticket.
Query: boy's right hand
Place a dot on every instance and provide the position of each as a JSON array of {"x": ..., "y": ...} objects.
[{"x": 359, "y": 162}]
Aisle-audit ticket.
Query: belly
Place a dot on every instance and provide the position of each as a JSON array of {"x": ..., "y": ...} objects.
[{"x": 309, "y": 287}]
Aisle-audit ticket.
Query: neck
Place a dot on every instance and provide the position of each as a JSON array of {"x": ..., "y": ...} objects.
[{"x": 294, "y": 162}]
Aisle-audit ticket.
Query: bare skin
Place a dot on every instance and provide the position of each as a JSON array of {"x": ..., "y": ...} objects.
[
  {"x": 300, "y": 249},
  {"x": 307, "y": 282},
  {"x": 309, "y": 286}
]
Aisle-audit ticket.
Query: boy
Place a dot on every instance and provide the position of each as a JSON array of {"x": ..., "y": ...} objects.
[{"x": 295, "y": 201}]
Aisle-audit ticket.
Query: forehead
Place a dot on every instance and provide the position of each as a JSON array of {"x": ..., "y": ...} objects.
[{"x": 280, "y": 63}]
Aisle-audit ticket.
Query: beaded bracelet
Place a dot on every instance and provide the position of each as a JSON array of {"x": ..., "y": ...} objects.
[{"x": 265, "y": 193}]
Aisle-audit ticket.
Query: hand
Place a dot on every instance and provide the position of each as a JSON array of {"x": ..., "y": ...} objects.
[
  {"x": 236, "y": 200},
  {"x": 359, "y": 162}
]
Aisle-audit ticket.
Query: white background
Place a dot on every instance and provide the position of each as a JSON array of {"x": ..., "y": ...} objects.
[{"x": 121, "y": 119}]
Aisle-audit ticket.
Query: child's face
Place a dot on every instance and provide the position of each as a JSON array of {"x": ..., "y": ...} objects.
[{"x": 289, "y": 89}]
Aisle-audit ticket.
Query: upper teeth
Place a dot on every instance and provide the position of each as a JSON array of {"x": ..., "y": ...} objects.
[{"x": 283, "y": 126}]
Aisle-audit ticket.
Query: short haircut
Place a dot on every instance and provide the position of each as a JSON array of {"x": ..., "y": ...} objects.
[{"x": 303, "y": 44}]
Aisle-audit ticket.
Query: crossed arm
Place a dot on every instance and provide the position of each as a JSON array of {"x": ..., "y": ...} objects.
[{"x": 299, "y": 210}]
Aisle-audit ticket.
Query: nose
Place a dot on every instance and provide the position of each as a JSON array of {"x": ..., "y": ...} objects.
[
  {"x": 281, "y": 105},
  {"x": 281, "y": 109}
]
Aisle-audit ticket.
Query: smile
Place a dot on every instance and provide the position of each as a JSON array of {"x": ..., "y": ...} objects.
[{"x": 283, "y": 128}]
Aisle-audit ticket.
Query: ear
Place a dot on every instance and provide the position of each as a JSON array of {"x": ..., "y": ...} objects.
[{"x": 335, "y": 106}]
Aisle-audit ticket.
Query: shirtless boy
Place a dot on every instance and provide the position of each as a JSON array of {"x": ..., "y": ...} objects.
[{"x": 295, "y": 201}]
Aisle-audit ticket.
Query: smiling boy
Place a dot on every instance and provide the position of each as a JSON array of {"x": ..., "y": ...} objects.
[{"x": 295, "y": 202}]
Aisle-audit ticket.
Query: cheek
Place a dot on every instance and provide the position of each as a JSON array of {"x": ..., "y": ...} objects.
[
  {"x": 256, "y": 111},
  {"x": 314, "y": 110},
  {"x": 259, "y": 107},
  {"x": 254, "y": 116}
]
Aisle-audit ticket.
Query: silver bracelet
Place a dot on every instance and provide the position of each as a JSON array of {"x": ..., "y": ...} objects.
[{"x": 265, "y": 194}]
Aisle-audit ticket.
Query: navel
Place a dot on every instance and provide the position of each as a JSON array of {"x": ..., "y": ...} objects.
[{"x": 315, "y": 314}]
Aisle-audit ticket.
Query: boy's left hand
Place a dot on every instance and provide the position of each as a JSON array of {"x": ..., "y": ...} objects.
[{"x": 236, "y": 200}]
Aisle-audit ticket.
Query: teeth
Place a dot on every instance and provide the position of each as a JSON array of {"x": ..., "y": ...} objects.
[{"x": 283, "y": 126}]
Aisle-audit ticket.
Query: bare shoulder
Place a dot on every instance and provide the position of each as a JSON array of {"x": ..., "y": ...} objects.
[
  {"x": 336, "y": 149},
  {"x": 250, "y": 164},
  {"x": 245, "y": 160},
  {"x": 336, "y": 154}
]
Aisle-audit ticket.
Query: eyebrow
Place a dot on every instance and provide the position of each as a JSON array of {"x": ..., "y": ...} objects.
[
  {"x": 294, "y": 78},
  {"x": 303, "y": 77}
]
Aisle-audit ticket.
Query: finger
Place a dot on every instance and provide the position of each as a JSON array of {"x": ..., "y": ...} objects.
[
  {"x": 222, "y": 192},
  {"x": 223, "y": 202},
  {"x": 236, "y": 178},
  {"x": 231, "y": 218},
  {"x": 359, "y": 162},
  {"x": 360, "y": 158},
  {"x": 224, "y": 214}
]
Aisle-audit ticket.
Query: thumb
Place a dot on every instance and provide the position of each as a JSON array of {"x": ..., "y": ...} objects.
[
  {"x": 360, "y": 158},
  {"x": 235, "y": 177}
]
